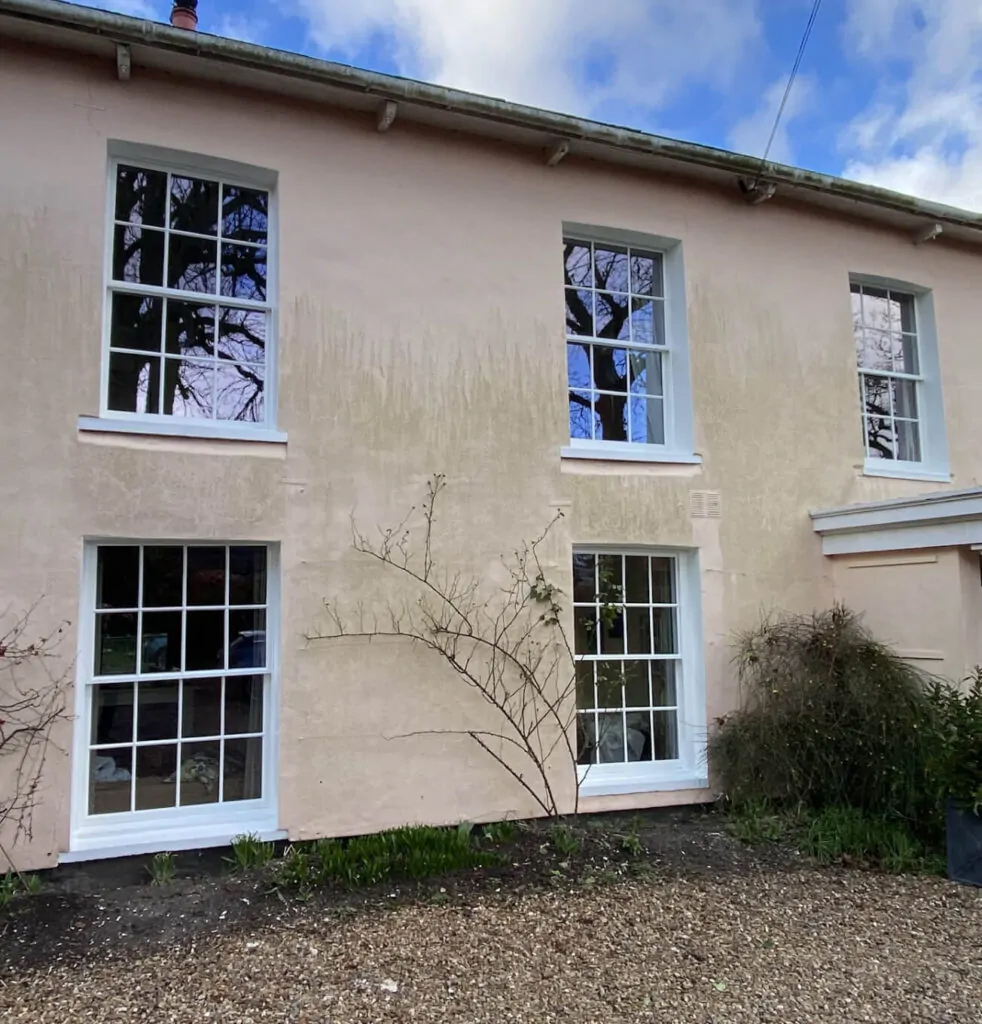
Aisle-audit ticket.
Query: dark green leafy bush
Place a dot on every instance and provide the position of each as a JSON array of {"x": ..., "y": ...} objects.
[
  {"x": 831, "y": 717},
  {"x": 955, "y": 756}
]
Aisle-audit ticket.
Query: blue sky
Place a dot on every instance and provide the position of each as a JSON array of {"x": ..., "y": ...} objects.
[{"x": 889, "y": 92}]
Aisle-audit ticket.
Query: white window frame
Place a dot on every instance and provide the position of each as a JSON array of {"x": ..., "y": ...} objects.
[
  {"x": 229, "y": 172},
  {"x": 676, "y": 374},
  {"x": 690, "y": 770},
  {"x": 173, "y": 828},
  {"x": 933, "y": 464}
]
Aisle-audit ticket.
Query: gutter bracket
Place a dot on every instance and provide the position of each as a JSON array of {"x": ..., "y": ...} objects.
[
  {"x": 929, "y": 234},
  {"x": 124, "y": 64},
  {"x": 756, "y": 191},
  {"x": 557, "y": 153},
  {"x": 386, "y": 115}
]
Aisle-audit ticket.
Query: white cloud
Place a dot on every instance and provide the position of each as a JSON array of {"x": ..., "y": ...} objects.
[
  {"x": 134, "y": 8},
  {"x": 235, "y": 26},
  {"x": 571, "y": 55},
  {"x": 923, "y": 131},
  {"x": 751, "y": 134}
]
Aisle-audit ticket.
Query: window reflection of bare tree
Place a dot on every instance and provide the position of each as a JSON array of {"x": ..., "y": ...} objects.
[{"x": 214, "y": 253}]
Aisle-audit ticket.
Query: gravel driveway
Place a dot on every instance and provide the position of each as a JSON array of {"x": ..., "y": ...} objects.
[{"x": 769, "y": 945}]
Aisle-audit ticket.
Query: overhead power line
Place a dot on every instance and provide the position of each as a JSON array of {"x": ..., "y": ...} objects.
[{"x": 787, "y": 91}]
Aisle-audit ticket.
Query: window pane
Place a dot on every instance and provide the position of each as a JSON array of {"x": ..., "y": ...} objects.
[
  {"x": 612, "y": 316},
  {"x": 243, "y": 769},
  {"x": 190, "y": 329},
  {"x": 205, "y": 641},
  {"x": 638, "y": 631},
  {"x": 880, "y": 441},
  {"x": 585, "y": 630},
  {"x": 247, "y": 638},
  {"x": 582, "y": 419},
  {"x": 612, "y": 633},
  {"x": 875, "y": 349},
  {"x": 646, "y": 273},
  {"x": 636, "y": 693},
  {"x": 161, "y": 642},
  {"x": 136, "y": 322},
  {"x": 610, "y": 268},
  {"x": 192, "y": 264},
  {"x": 584, "y": 577},
  {"x": 647, "y": 420},
  {"x": 663, "y": 694},
  {"x": 906, "y": 355},
  {"x": 908, "y": 441},
  {"x": 578, "y": 366},
  {"x": 585, "y": 694},
  {"x": 243, "y": 704},
  {"x": 610, "y": 576},
  {"x": 586, "y": 739},
  {"x": 112, "y": 713},
  {"x": 877, "y": 392},
  {"x": 200, "y": 772},
  {"x": 156, "y": 714},
  {"x": 194, "y": 205},
  {"x": 611, "y": 417},
  {"x": 163, "y": 576},
  {"x": 665, "y": 735},
  {"x": 134, "y": 383},
  {"x": 646, "y": 375},
  {"x": 638, "y": 735},
  {"x": 663, "y": 620},
  {"x": 636, "y": 583},
  {"x": 115, "y": 644},
  {"x": 110, "y": 772},
  {"x": 206, "y": 575},
  {"x": 579, "y": 312},
  {"x": 577, "y": 267},
  {"x": 244, "y": 272},
  {"x": 156, "y": 777},
  {"x": 189, "y": 389},
  {"x": 610, "y": 742},
  {"x": 118, "y": 575},
  {"x": 245, "y": 214},
  {"x": 610, "y": 684},
  {"x": 141, "y": 195},
  {"x": 138, "y": 255},
  {"x": 247, "y": 575},
  {"x": 241, "y": 335},
  {"x": 239, "y": 392},
  {"x": 610, "y": 368},
  {"x": 908, "y": 316},
  {"x": 905, "y": 399},
  {"x": 662, "y": 581},
  {"x": 201, "y": 712},
  {"x": 876, "y": 308}
]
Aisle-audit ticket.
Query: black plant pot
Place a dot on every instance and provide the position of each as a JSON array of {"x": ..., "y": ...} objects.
[{"x": 964, "y": 842}]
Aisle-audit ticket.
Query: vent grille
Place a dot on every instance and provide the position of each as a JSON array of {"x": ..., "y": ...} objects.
[{"x": 705, "y": 505}]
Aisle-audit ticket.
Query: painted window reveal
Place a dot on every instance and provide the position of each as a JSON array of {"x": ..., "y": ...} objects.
[
  {"x": 628, "y": 660},
  {"x": 179, "y": 677},
  {"x": 189, "y": 303},
  {"x": 885, "y": 330},
  {"x": 615, "y": 342}
]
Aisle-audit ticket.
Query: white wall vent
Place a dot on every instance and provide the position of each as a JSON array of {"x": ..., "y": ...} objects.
[{"x": 705, "y": 504}]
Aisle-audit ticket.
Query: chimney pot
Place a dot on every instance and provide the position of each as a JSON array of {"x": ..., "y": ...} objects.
[{"x": 184, "y": 14}]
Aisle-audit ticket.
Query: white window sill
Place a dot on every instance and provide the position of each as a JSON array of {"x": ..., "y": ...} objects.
[
  {"x": 99, "y": 844},
  {"x": 601, "y": 780},
  {"x": 166, "y": 427},
  {"x": 904, "y": 471},
  {"x": 623, "y": 452}
]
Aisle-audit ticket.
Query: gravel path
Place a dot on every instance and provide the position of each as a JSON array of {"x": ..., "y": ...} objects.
[{"x": 782, "y": 946}]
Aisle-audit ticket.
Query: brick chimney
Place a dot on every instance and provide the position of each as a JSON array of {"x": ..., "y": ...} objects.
[{"x": 184, "y": 14}]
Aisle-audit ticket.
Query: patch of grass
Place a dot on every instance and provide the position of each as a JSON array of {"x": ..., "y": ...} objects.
[
  {"x": 31, "y": 884},
  {"x": 564, "y": 840},
  {"x": 161, "y": 869},
  {"x": 249, "y": 852},
  {"x": 630, "y": 843},
  {"x": 499, "y": 832},
  {"x": 402, "y": 853},
  {"x": 838, "y": 835},
  {"x": 9, "y": 887},
  {"x": 756, "y": 822}
]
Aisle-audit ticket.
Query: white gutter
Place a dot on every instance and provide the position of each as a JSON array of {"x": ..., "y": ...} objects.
[{"x": 558, "y": 128}]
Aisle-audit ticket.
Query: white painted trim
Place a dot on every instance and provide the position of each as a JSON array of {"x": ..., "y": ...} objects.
[
  {"x": 175, "y": 840},
  {"x": 903, "y": 538},
  {"x": 618, "y": 451},
  {"x": 105, "y": 835},
  {"x": 904, "y": 471},
  {"x": 676, "y": 373},
  {"x": 173, "y": 427},
  {"x": 689, "y": 770}
]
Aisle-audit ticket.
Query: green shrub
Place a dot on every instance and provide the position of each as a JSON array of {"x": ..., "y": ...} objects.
[
  {"x": 402, "y": 853},
  {"x": 831, "y": 718},
  {"x": 849, "y": 835},
  {"x": 249, "y": 852},
  {"x": 954, "y": 764},
  {"x": 498, "y": 832},
  {"x": 564, "y": 840}
]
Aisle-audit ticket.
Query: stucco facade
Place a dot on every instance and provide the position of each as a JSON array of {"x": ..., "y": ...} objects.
[{"x": 419, "y": 329}]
